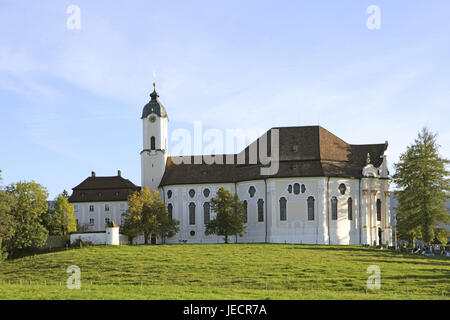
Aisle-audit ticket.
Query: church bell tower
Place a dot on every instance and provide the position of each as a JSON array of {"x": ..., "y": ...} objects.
[{"x": 155, "y": 131}]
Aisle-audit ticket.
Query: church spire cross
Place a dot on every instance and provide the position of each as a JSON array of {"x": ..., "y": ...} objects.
[{"x": 154, "y": 95}]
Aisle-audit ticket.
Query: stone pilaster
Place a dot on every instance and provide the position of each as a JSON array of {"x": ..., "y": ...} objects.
[
  {"x": 387, "y": 224},
  {"x": 271, "y": 211},
  {"x": 365, "y": 225},
  {"x": 373, "y": 217},
  {"x": 321, "y": 215}
]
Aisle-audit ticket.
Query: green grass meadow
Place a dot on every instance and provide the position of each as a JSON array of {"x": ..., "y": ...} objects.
[{"x": 225, "y": 272}]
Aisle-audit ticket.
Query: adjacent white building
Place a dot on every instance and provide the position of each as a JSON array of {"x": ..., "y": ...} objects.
[{"x": 99, "y": 201}]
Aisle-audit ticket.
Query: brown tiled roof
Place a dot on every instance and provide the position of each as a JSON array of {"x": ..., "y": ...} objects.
[
  {"x": 304, "y": 152},
  {"x": 95, "y": 189}
]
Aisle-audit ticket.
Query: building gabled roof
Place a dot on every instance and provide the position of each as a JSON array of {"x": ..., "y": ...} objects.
[
  {"x": 99, "y": 189},
  {"x": 309, "y": 151}
]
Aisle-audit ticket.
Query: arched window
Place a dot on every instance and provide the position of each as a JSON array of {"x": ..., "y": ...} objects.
[
  {"x": 206, "y": 213},
  {"x": 334, "y": 208},
  {"x": 283, "y": 214},
  {"x": 192, "y": 213},
  {"x": 296, "y": 188},
  {"x": 169, "y": 210},
  {"x": 290, "y": 188},
  {"x": 350, "y": 208},
  {"x": 245, "y": 211},
  {"x": 310, "y": 208},
  {"x": 378, "y": 210},
  {"x": 260, "y": 210},
  {"x": 152, "y": 143}
]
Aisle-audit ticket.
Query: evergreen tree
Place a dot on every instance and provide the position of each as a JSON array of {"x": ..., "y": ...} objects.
[
  {"x": 230, "y": 215},
  {"x": 422, "y": 177}
]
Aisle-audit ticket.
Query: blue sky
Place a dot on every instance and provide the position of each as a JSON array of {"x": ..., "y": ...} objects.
[{"x": 71, "y": 100}]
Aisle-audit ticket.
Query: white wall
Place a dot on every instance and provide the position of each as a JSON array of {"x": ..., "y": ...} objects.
[{"x": 83, "y": 214}]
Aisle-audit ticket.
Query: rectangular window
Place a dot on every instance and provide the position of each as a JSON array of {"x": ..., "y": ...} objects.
[
  {"x": 91, "y": 208},
  {"x": 75, "y": 207},
  {"x": 91, "y": 221},
  {"x": 106, "y": 207}
]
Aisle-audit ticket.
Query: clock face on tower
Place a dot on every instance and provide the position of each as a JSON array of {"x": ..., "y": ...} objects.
[{"x": 152, "y": 119}]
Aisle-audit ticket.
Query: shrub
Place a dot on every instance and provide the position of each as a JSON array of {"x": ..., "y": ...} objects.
[{"x": 78, "y": 243}]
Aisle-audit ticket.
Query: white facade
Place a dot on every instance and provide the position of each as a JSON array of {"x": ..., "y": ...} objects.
[
  {"x": 96, "y": 215},
  {"x": 359, "y": 228}
]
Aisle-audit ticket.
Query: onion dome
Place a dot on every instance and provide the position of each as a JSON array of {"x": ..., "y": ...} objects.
[{"x": 154, "y": 106}]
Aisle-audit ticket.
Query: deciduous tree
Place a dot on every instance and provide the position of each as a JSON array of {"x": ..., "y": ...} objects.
[
  {"x": 230, "y": 215},
  {"x": 148, "y": 214},
  {"x": 29, "y": 204}
]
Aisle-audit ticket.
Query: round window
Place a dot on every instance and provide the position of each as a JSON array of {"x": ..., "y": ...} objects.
[
  {"x": 342, "y": 188},
  {"x": 192, "y": 193},
  {"x": 296, "y": 188},
  {"x": 206, "y": 193},
  {"x": 252, "y": 191},
  {"x": 169, "y": 194},
  {"x": 192, "y": 233}
]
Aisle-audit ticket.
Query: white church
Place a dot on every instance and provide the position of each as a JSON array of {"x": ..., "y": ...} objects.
[{"x": 324, "y": 191}]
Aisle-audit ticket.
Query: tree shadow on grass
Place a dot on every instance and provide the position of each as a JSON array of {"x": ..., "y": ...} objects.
[{"x": 22, "y": 253}]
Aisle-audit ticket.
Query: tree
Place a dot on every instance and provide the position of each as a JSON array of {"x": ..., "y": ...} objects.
[
  {"x": 166, "y": 227},
  {"x": 148, "y": 214},
  {"x": 29, "y": 204},
  {"x": 230, "y": 215},
  {"x": 441, "y": 236},
  {"x": 7, "y": 223},
  {"x": 421, "y": 175},
  {"x": 62, "y": 220},
  {"x": 65, "y": 194},
  {"x": 130, "y": 227}
]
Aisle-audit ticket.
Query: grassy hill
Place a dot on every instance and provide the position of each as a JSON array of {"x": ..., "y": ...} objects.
[{"x": 234, "y": 271}]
